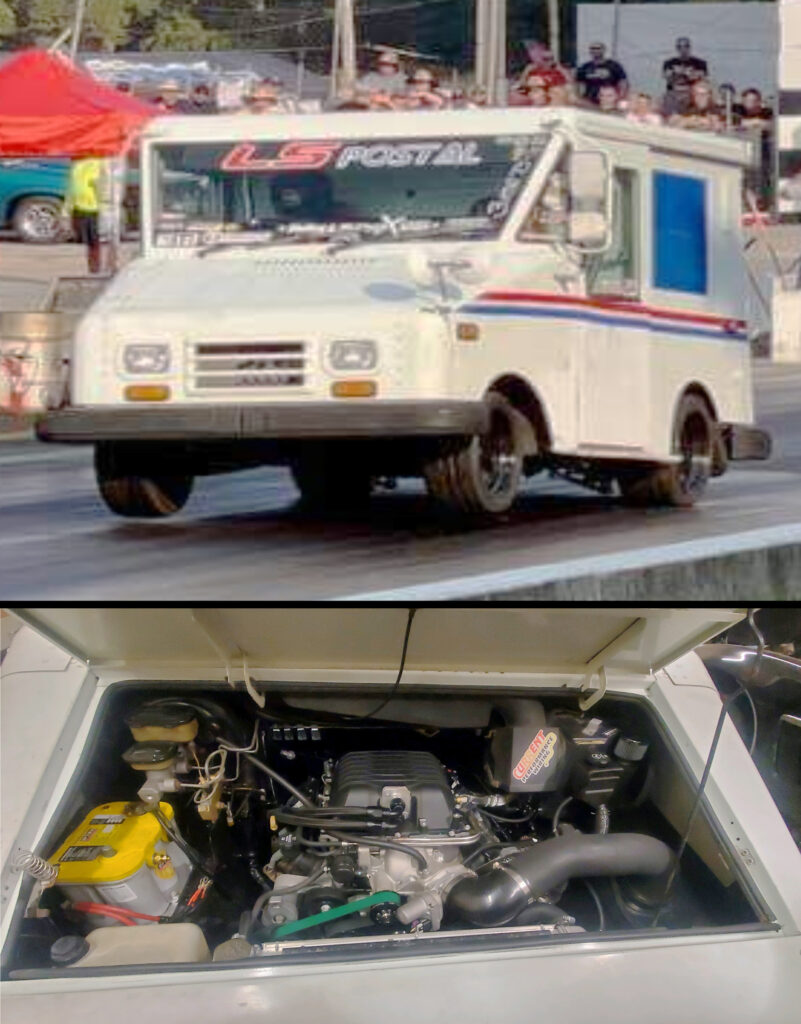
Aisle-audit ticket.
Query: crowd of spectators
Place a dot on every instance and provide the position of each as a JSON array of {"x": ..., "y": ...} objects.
[{"x": 690, "y": 99}]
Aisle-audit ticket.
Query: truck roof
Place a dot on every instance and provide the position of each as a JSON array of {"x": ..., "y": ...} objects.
[{"x": 401, "y": 124}]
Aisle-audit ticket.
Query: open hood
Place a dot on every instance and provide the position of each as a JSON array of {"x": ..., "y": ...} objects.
[{"x": 567, "y": 641}]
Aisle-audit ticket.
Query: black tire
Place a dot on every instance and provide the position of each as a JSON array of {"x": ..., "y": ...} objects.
[
  {"x": 481, "y": 477},
  {"x": 39, "y": 221},
  {"x": 133, "y": 484},
  {"x": 331, "y": 479},
  {"x": 680, "y": 484}
]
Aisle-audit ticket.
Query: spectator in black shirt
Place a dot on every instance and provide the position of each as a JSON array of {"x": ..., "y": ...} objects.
[
  {"x": 598, "y": 72},
  {"x": 678, "y": 99},
  {"x": 684, "y": 63},
  {"x": 751, "y": 112}
]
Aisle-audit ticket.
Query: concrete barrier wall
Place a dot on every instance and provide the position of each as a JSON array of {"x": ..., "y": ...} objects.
[
  {"x": 766, "y": 574},
  {"x": 34, "y": 349}
]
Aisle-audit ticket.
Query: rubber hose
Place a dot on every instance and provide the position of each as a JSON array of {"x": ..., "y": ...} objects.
[
  {"x": 543, "y": 913},
  {"x": 602, "y": 820},
  {"x": 498, "y": 896},
  {"x": 277, "y": 777}
]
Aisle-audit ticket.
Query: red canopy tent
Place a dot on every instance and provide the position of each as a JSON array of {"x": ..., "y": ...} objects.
[{"x": 48, "y": 107}]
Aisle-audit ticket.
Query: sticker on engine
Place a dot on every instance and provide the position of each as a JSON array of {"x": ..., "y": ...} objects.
[
  {"x": 81, "y": 853},
  {"x": 538, "y": 755},
  {"x": 108, "y": 819}
]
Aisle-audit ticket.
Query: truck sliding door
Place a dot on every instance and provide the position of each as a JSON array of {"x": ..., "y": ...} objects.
[{"x": 613, "y": 401}]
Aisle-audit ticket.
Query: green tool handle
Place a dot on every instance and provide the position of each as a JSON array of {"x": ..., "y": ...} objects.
[{"x": 354, "y": 907}]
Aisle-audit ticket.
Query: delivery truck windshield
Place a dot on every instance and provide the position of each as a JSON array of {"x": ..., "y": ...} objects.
[{"x": 312, "y": 189}]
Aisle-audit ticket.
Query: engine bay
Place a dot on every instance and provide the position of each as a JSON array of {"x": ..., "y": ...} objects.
[{"x": 201, "y": 827}]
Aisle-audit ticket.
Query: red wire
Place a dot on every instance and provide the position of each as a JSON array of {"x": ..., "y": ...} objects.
[
  {"x": 119, "y": 918},
  {"x": 109, "y": 911}
]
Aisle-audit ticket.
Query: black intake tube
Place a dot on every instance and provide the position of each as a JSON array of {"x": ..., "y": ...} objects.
[
  {"x": 542, "y": 913},
  {"x": 497, "y": 896}
]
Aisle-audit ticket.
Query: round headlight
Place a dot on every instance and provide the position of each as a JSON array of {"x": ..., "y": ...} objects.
[
  {"x": 357, "y": 355},
  {"x": 146, "y": 358}
]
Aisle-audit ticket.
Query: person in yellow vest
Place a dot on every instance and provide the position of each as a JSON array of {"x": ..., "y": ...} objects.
[{"x": 83, "y": 205}]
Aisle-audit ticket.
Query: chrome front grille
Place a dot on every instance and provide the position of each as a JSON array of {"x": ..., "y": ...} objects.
[{"x": 226, "y": 366}]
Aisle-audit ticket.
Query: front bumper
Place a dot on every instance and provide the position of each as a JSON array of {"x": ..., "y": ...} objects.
[
  {"x": 745, "y": 442},
  {"x": 284, "y": 421}
]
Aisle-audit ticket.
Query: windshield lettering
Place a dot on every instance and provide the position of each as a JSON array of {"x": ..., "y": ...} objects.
[
  {"x": 297, "y": 156},
  {"x": 266, "y": 192}
]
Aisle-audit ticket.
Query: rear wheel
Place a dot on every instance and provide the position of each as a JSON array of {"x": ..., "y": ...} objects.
[
  {"x": 682, "y": 483},
  {"x": 38, "y": 219},
  {"x": 481, "y": 477},
  {"x": 136, "y": 481},
  {"x": 331, "y": 479}
]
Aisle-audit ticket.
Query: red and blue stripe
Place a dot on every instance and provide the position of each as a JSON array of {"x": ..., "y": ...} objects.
[{"x": 613, "y": 312}]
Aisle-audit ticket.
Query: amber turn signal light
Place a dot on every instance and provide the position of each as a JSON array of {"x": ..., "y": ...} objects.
[
  {"x": 467, "y": 332},
  {"x": 147, "y": 393},
  {"x": 354, "y": 389}
]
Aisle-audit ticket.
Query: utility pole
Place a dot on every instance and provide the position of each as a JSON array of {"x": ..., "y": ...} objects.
[
  {"x": 77, "y": 28},
  {"x": 553, "y": 28},
  {"x": 615, "y": 28},
  {"x": 343, "y": 49},
  {"x": 490, "y": 61}
]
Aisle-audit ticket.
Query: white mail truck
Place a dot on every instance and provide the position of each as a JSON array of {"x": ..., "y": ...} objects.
[{"x": 470, "y": 296}]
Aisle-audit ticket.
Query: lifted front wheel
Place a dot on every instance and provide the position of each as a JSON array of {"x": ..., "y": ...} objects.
[
  {"x": 134, "y": 481},
  {"x": 481, "y": 477}
]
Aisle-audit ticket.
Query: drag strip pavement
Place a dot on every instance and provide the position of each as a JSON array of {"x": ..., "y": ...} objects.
[{"x": 244, "y": 537}]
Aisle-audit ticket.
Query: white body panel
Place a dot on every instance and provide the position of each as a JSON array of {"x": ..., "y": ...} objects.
[
  {"x": 735, "y": 977},
  {"x": 608, "y": 373},
  {"x": 731, "y": 980}
]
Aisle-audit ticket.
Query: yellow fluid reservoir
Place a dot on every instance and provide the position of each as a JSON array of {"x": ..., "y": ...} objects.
[
  {"x": 118, "y": 857},
  {"x": 166, "y": 723}
]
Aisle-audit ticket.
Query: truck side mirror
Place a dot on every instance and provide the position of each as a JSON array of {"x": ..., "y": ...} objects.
[{"x": 589, "y": 222}]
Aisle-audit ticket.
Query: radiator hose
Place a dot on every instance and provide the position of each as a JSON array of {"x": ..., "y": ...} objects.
[{"x": 497, "y": 896}]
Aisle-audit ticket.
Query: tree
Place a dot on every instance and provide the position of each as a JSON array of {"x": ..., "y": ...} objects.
[
  {"x": 180, "y": 30},
  {"x": 8, "y": 20},
  {"x": 116, "y": 24}
]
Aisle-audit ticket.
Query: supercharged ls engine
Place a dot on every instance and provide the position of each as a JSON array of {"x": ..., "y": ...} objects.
[
  {"x": 414, "y": 836},
  {"x": 408, "y": 833},
  {"x": 250, "y": 829}
]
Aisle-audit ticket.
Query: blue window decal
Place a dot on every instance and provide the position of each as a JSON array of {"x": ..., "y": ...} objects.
[{"x": 680, "y": 233}]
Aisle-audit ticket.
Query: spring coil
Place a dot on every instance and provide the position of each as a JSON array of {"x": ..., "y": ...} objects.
[{"x": 36, "y": 866}]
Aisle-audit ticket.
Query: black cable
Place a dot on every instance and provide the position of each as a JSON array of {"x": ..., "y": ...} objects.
[
  {"x": 190, "y": 853},
  {"x": 517, "y": 820},
  {"x": 312, "y": 821},
  {"x": 694, "y": 810},
  {"x": 328, "y": 811},
  {"x": 724, "y": 709},
  {"x": 282, "y": 781},
  {"x": 517, "y": 847},
  {"x": 599, "y": 906},
  {"x": 394, "y": 690},
  {"x": 558, "y": 814}
]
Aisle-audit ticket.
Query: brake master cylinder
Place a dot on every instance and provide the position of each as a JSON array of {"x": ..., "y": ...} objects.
[{"x": 160, "y": 735}]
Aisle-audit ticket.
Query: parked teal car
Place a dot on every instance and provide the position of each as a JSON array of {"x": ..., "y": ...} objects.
[{"x": 32, "y": 191}]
